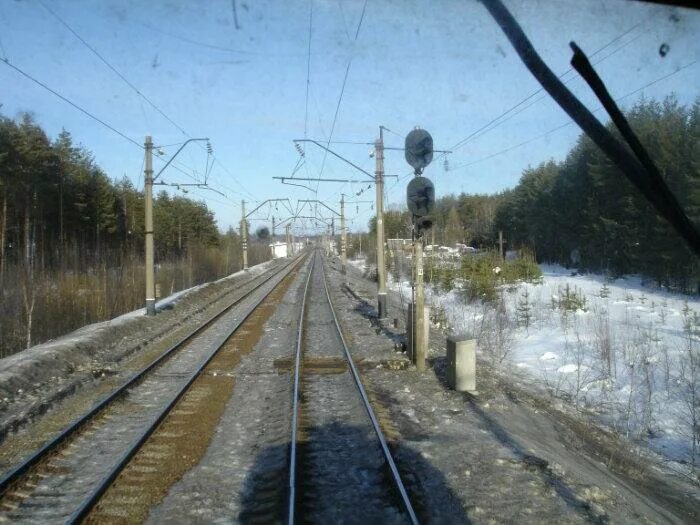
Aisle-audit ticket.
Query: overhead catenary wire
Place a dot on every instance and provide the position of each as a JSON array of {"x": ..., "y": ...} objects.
[
  {"x": 140, "y": 93},
  {"x": 71, "y": 103},
  {"x": 308, "y": 70},
  {"x": 342, "y": 92},
  {"x": 570, "y": 122},
  {"x": 461, "y": 143}
]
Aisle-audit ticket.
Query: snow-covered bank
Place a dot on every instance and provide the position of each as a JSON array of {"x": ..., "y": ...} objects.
[
  {"x": 627, "y": 352},
  {"x": 35, "y": 378}
]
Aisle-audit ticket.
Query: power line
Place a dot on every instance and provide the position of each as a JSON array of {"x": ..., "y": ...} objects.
[
  {"x": 137, "y": 90},
  {"x": 68, "y": 101},
  {"x": 342, "y": 92},
  {"x": 87, "y": 113},
  {"x": 557, "y": 128},
  {"x": 568, "y": 123},
  {"x": 464, "y": 141},
  {"x": 308, "y": 70},
  {"x": 544, "y": 96},
  {"x": 498, "y": 120},
  {"x": 110, "y": 66}
]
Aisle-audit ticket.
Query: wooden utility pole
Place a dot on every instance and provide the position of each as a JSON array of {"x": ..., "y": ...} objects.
[
  {"x": 343, "y": 236},
  {"x": 244, "y": 236},
  {"x": 379, "y": 185},
  {"x": 150, "y": 277}
]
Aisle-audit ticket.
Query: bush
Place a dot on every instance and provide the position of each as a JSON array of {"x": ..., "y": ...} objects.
[
  {"x": 569, "y": 299},
  {"x": 483, "y": 274}
]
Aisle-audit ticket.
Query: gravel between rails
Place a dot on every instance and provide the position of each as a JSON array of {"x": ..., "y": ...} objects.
[
  {"x": 242, "y": 476},
  {"x": 341, "y": 466}
]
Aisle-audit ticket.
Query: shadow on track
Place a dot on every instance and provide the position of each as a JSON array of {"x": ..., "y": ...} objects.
[{"x": 265, "y": 489}]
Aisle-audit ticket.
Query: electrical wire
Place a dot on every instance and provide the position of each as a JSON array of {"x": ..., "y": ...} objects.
[
  {"x": 110, "y": 66},
  {"x": 459, "y": 144},
  {"x": 308, "y": 70},
  {"x": 139, "y": 92},
  {"x": 342, "y": 92},
  {"x": 70, "y": 102},
  {"x": 545, "y": 96},
  {"x": 570, "y": 122}
]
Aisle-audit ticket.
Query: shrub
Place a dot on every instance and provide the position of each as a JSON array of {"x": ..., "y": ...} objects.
[
  {"x": 524, "y": 310},
  {"x": 569, "y": 299}
]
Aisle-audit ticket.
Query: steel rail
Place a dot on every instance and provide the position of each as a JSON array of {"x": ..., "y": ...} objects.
[
  {"x": 291, "y": 508},
  {"x": 15, "y": 474},
  {"x": 88, "y": 503},
  {"x": 363, "y": 394},
  {"x": 370, "y": 412}
]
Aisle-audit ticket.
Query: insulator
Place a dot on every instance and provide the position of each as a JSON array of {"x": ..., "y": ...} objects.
[
  {"x": 446, "y": 165},
  {"x": 299, "y": 148}
]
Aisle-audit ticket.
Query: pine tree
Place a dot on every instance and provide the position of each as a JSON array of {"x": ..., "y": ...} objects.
[{"x": 524, "y": 310}]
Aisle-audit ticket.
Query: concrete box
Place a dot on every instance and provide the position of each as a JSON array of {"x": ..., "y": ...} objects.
[
  {"x": 461, "y": 363},
  {"x": 410, "y": 330}
]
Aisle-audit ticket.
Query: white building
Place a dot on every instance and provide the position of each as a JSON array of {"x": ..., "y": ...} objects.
[{"x": 279, "y": 249}]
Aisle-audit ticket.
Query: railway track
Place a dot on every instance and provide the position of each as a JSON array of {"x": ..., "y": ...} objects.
[
  {"x": 340, "y": 464},
  {"x": 65, "y": 478}
]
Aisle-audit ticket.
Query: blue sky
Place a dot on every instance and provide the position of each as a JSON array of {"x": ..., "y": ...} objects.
[{"x": 443, "y": 65}]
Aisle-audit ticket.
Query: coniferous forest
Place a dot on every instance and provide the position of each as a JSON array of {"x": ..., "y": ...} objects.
[
  {"x": 71, "y": 239},
  {"x": 583, "y": 212}
]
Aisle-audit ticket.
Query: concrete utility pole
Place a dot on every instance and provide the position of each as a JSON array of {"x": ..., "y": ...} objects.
[
  {"x": 379, "y": 185},
  {"x": 500, "y": 244},
  {"x": 333, "y": 235},
  {"x": 148, "y": 230},
  {"x": 420, "y": 352},
  {"x": 244, "y": 236},
  {"x": 272, "y": 238},
  {"x": 343, "y": 236},
  {"x": 286, "y": 237}
]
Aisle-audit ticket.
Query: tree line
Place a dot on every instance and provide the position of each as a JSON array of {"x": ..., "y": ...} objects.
[
  {"x": 58, "y": 207},
  {"x": 583, "y": 212},
  {"x": 71, "y": 238}
]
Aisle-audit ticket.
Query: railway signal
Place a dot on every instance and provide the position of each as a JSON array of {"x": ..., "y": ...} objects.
[
  {"x": 418, "y": 149},
  {"x": 420, "y": 199}
]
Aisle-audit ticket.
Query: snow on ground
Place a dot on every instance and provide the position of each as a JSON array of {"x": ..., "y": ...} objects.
[
  {"x": 629, "y": 353},
  {"x": 85, "y": 333}
]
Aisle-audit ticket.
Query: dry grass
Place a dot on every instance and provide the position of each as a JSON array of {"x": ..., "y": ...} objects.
[{"x": 65, "y": 300}]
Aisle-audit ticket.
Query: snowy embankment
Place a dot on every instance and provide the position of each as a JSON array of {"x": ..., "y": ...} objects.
[
  {"x": 33, "y": 379},
  {"x": 627, "y": 352}
]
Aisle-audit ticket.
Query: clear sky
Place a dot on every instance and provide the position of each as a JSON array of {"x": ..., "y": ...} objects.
[{"x": 443, "y": 65}]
